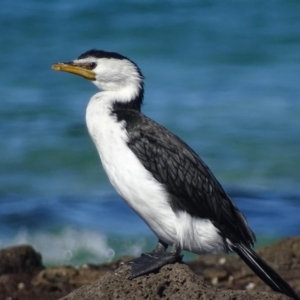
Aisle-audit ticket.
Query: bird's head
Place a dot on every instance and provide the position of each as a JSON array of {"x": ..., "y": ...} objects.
[{"x": 109, "y": 71}]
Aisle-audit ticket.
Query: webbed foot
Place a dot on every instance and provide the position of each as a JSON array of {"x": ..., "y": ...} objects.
[{"x": 149, "y": 262}]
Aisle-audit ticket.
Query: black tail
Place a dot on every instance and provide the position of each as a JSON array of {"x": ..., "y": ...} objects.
[{"x": 263, "y": 270}]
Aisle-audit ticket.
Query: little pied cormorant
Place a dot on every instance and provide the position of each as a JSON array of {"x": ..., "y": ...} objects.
[{"x": 158, "y": 175}]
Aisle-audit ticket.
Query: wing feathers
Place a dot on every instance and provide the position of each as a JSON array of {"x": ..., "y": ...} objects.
[{"x": 191, "y": 184}]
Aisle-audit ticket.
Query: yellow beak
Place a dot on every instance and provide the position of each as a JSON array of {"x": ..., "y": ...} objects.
[{"x": 74, "y": 69}]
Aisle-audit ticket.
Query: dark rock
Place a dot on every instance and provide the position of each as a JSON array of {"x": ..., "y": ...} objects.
[
  {"x": 18, "y": 265},
  {"x": 21, "y": 259},
  {"x": 23, "y": 277},
  {"x": 230, "y": 272},
  {"x": 171, "y": 282}
]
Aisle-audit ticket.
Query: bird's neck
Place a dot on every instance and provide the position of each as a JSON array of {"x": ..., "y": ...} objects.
[
  {"x": 129, "y": 97},
  {"x": 101, "y": 114}
]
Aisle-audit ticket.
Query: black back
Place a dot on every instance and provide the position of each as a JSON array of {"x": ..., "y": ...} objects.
[{"x": 191, "y": 184}]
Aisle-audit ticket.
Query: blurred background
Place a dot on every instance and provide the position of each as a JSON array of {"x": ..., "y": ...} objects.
[{"x": 223, "y": 75}]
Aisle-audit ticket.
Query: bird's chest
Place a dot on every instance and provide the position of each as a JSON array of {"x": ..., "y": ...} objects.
[
  {"x": 110, "y": 139},
  {"x": 132, "y": 181},
  {"x": 128, "y": 176}
]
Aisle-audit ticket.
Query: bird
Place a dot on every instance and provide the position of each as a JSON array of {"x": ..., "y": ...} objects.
[{"x": 160, "y": 176}]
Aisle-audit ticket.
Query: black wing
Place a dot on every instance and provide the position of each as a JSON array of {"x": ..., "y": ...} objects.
[{"x": 187, "y": 178}]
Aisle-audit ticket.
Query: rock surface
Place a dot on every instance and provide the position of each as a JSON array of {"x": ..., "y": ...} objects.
[
  {"x": 230, "y": 272},
  {"x": 22, "y": 277},
  {"x": 171, "y": 282}
]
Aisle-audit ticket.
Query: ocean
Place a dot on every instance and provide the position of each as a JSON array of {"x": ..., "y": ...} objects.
[{"x": 222, "y": 75}]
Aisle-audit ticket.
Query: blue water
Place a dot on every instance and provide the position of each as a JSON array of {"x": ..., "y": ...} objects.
[{"x": 223, "y": 75}]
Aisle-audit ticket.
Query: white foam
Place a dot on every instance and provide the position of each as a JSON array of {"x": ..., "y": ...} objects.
[{"x": 68, "y": 246}]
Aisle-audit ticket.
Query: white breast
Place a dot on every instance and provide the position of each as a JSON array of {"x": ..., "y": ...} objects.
[
  {"x": 142, "y": 192},
  {"x": 128, "y": 176}
]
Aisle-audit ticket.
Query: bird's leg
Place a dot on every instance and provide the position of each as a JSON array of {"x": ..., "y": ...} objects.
[
  {"x": 135, "y": 263},
  {"x": 154, "y": 260},
  {"x": 160, "y": 247}
]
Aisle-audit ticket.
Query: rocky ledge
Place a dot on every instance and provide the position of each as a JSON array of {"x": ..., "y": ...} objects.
[{"x": 22, "y": 277}]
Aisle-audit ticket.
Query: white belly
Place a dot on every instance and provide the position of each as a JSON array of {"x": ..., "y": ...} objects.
[{"x": 146, "y": 196}]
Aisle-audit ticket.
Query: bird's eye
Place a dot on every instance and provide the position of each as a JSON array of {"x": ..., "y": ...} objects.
[{"x": 92, "y": 66}]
